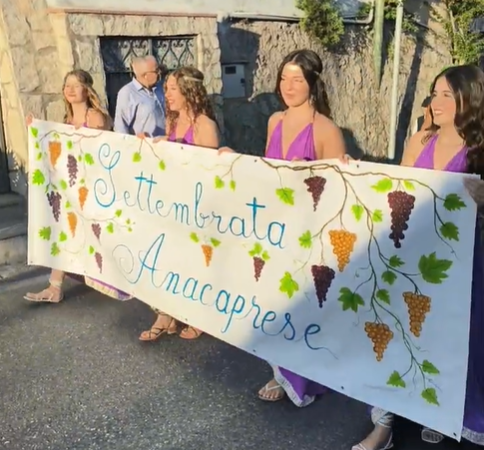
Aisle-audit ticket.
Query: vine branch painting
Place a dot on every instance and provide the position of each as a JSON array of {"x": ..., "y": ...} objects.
[{"x": 322, "y": 268}]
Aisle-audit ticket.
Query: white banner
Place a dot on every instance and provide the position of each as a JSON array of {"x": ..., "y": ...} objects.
[{"x": 357, "y": 277}]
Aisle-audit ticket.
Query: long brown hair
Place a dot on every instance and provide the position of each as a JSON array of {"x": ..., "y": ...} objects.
[
  {"x": 467, "y": 85},
  {"x": 93, "y": 100},
  {"x": 190, "y": 82}
]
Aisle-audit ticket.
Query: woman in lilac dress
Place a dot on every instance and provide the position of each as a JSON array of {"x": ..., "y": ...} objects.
[
  {"x": 303, "y": 131},
  {"x": 191, "y": 121},
  {"x": 455, "y": 143},
  {"x": 83, "y": 109}
]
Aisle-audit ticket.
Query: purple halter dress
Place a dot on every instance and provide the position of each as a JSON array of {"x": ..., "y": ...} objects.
[
  {"x": 473, "y": 429},
  {"x": 300, "y": 390},
  {"x": 188, "y": 139}
]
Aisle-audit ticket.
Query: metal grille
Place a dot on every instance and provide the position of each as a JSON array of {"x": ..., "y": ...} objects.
[{"x": 118, "y": 52}]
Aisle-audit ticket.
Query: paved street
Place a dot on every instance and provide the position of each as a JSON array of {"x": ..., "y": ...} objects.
[{"x": 75, "y": 376}]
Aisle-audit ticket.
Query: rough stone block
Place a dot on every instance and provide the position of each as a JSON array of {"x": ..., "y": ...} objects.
[
  {"x": 86, "y": 24},
  {"x": 55, "y": 110},
  {"x": 23, "y": 60}
]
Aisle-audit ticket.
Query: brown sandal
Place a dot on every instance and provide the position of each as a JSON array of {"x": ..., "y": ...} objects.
[
  {"x": 155, "y": 333},
  {"x": 190, "y": 333},
  {"x": 52, "y": 294}
]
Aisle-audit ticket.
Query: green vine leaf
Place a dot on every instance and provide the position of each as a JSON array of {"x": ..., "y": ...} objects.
[
  {"x": 383, "y": 186},
  {"x": 63, "y": 185},
  {"x": 91, "y": 250},
  {"x": 110, "y": 228},
  {"x": 69, "y": 145},
  {"x": 162, "y": 165},
  {"x": 256, "y": 250},
  {"x": 383, "y": 295},
  {"x": 56, "y": 136},
  {"x": 306, "y": 240},
  {"x": 45, "y": 233},
  {"x": 219, "y": 183},
  {"x": 118, "y": 213},
  {"x": 88, "y": 159},
  {"x": 389, "y": 277},
  {"x": 54, "y": 249},
  {"x": 215, "y": 242},
  {"x": 232, "y": 185},
  {"x": 453, "y": 202},
  {"x": 350, "y": 300},
  {"x": 408, "y": 185},
  {"x": 136, "y": 157},
  {"x": 377, "y": 216},
  {"x": 38, "y": 178},
  {"x": 430, "y": 396},
  {"x": 395, "y": 262},
  {"x": 286, "y": 195},
  {"x": 357, "y": 211},
  {"x": 67, "y": 205},
  {"x": 287, "y": 285},
  {"x": 62, "y": 237},
  {"x": 429, "y": 368},
  {"x": 79, "y": 158},
  {"x": 194, "y": 238},
  {"x": 449, "y": 231},
  {"x": 39, "y": 156},
  {"x": 395, "y": 380},
  {"x": 265, "y": 256},
  {"x": 432, "y": 269},
  {"x": 34, "y": 132},
  {"x": 37, "y": 145}
]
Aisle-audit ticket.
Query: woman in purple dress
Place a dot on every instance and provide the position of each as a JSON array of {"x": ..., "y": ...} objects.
[
  {"x": 303, "y": 131},
  {"x": 83, "y": 109},
  {"x": 454, "y": 142},
  {"x": 191, "y": 121}
]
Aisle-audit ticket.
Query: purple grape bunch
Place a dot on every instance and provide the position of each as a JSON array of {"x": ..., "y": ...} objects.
[
  {"x": 401, "y": 205},
  {"x": 73, "y": 169},
  {"x": 99, "y": 261},
  {"x": 315, "y": 186},
  {"x": 323, "y": 276},
  {"x": 54, "y": 199},
  {"x": 96, "y": 229}
]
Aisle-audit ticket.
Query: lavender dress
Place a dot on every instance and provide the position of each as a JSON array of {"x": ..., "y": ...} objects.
[
  {"x": 474, "y": 406},
  {"x": 300, "y": 390}
]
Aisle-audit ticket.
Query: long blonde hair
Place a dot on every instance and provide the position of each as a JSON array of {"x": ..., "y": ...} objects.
[
  {"x": 93, "y": 100},
  {"x": 190, "y": 82}
]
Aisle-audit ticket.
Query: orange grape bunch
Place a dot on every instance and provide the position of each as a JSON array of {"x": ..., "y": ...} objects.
[
  {"x": 343, "y": 243},
  {"x": 55, "y": 150},
  {"x": 418, "y": 306},
  {"x": 207, "y": 253},
  {"x": 380, "y": 335}
]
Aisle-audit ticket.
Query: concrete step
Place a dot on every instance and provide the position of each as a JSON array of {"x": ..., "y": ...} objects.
[{"x": 13, "y": 229}]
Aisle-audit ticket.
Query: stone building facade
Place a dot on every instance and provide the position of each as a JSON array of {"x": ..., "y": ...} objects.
[{"x": 239, "y": 59}]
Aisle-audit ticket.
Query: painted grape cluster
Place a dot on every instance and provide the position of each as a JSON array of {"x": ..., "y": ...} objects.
[{"x": 401, "y": 205}]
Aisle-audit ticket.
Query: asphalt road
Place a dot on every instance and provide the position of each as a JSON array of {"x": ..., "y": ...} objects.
[{"x": 75, "y": 376}]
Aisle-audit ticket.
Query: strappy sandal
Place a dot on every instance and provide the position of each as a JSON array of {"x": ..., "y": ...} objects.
[
  {"x": 190, "y": 333},
  {"x": 267, "y": 389},
  {"x": 52, "y": 294},
  {"x": 431, "y": 436},
  {"x": 385, "y": 446},
  {"x": 154, "y": 333}
]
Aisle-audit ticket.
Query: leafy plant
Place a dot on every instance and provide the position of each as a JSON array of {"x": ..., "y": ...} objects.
[
  {"x": 467, "y": 44},
  {"x": 322, "y": 21}
]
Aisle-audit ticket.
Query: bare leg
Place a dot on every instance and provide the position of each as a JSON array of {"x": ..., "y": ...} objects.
[
  {"x": 164, "y": 324},
  {"x": 381, "y": 438},
  {"x": 51, "y": 294}
]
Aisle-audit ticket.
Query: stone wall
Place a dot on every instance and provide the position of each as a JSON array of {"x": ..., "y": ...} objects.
[
  {"x": 358, "y": 105},
  {"x": 37, "y": 49}
]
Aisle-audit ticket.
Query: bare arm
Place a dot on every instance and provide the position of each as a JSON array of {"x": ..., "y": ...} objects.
[
  {"x": 205, "y": 133},
  {"x": 329, "y": 139},
  {"x": 97, "y": 120}
]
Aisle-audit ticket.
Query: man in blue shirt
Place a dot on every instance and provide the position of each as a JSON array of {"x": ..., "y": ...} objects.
[{"x": 140, "y": 107}]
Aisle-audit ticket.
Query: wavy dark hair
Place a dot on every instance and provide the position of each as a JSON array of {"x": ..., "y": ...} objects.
[
  {"x": 312, "y": 67},
  {"x": 190, "y": 81},
  {"x": 467, "y": 85}
]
